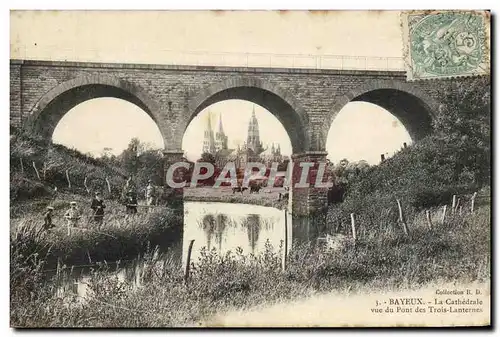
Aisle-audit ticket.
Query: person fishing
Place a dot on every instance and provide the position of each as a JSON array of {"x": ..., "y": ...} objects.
[
  {"x": 47, "y": 218},
  {"x": 98, "y": 207},
  {"x": 72, "y": 216}
]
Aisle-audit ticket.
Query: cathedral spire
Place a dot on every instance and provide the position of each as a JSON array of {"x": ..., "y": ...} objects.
[
  {"x": 253, "y": 137},
  {"x": 209, "y": 122},
  {"x": 220, "y": 137},
  {"x": 221, "y": 129},
  {"x": 208, "y": 139}
]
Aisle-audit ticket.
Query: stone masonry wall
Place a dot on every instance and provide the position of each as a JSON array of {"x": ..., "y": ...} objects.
[
  {"x": 15, "y": 95},
  {"x": 315, "y": 91}
]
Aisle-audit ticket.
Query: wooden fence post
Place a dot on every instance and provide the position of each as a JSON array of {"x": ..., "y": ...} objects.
[
  {"x": 429, "y": 221},
  {"x": 188, "y": 262},
  {"x": 285, "y": 251},
  {"x": 85, "y": 185},
  {"x": 458, "y": 204},
  {"x": 472, "y": 201},
  {"x": 454, "y": 204},
  {"x": 137, "y": 272},
  {"x": 36, "y": 170},
  {"x": 88, "y": 255},
  {"x": 444, "y": 214},
  {"x": 109, "y": 185},
  {"x": 402, "y": 218},
  {"x": 67, "y": 177},
  {"x": 353, "y": 228}
]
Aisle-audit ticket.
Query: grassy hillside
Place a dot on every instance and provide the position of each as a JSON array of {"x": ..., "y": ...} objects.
[
  {"x": 52, "y": 161},
  {"x": 454, "y": 160},
  {"x": 421, "y": 177}
]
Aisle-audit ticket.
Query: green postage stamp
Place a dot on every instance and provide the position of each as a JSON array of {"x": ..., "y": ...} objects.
[{"x": 442, "y": 44}]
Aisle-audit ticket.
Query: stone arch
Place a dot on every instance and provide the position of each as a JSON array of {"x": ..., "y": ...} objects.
[
  {"x": 411, "y": 105},
  {"x": 55, "y": 103},
  {"x": 268, "y": 95}
]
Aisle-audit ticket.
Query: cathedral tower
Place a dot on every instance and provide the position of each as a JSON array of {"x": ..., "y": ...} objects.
[
  {"x": 253, "y": 137},
  {"x": 208, "y": 137},
  {"x": 220, "y": 137}
]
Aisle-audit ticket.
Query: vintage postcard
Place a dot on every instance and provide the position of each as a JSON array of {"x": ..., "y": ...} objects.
[{"x": 250, "y": 169}]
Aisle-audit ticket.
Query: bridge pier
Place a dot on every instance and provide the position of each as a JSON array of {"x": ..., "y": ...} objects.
[
  {"x": 173, "y": 198},
  {"x": 308, "y": 203}
]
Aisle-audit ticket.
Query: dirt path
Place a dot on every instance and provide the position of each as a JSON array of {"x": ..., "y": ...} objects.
[{"x": 336, "y": 309}]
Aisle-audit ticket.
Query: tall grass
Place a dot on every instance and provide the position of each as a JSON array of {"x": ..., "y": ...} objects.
[
  {"x": 121, "y": 237},
  {"x": 457, "y": 250}
]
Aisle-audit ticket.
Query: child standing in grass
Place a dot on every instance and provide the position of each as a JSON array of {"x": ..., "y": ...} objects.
[
  {"x": 98, "y": 209},
  {"x": 72, "y": 216},
  {"x": 131, "y": 202},
  {"x": 150, "y": 194},
  {"x": 47, "y": 218}
]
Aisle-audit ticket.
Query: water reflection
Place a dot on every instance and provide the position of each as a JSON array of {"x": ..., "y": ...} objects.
[
  {"x": 220, "y": 226},
  {"x": 229, "y": 226},
  {"x": 76, "y": 280},
  {"x": 214, "y": 225},
  {"x": 252, "y": 224}
]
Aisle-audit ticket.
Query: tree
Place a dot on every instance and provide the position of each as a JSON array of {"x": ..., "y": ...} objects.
[
  {"x": 143, "y": 163},
  {"x": 106, "y": 152},
  {"x": 283, "y": 166},
  {"x": 464, "y": 123},
  {"x": 207, "y": 157},
  {"x": 129, "y": 158},
  {"x": 150, "y": 167},
  {"x": 340, "y": 169}
]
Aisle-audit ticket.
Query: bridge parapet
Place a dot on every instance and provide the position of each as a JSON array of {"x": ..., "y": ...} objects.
[{"x": 225, "y": 59}]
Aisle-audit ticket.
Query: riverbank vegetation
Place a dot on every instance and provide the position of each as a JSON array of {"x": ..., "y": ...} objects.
[
  {"x": 457, "y": 250},
  {"x": 454, "y": 160},
  {"x": 121, "y": 237}
]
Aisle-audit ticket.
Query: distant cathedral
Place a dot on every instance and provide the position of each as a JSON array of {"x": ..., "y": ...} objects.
[
  {"x": 208, "y": 138},
  {"x": 251, "y": 151},
  {"x": 220, "y": 137}
]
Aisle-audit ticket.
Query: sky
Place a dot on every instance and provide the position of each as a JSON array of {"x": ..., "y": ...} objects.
[
  {"x": 147, "y": 35},
  {"x": 95, "y": 122},
  {"x": 361, "y": 130}
]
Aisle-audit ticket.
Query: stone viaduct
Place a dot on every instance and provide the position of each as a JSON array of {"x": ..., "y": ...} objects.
[{"x": 305, "y": 101}]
